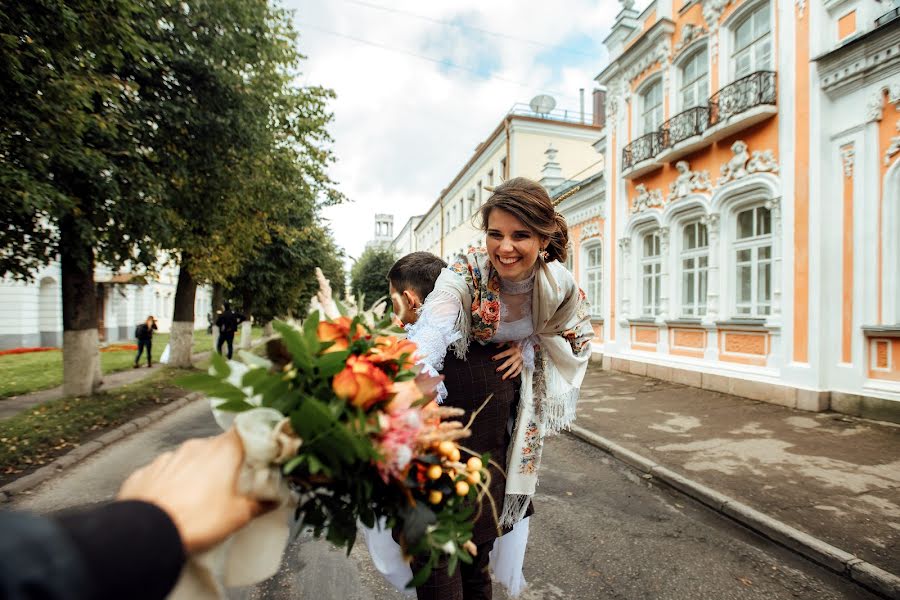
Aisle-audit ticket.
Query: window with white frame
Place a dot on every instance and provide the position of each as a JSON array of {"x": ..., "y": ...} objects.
[
  {"x": 695, "y": 80},
  {"x": 593, "y": 278},
  {"x": 651, "y": 108},
  {"x": 753, "y": 262},
  {"x": 694, "y": 269},
  {"x": 753, "y": 43},
  {"x": 651, "y": 267}
]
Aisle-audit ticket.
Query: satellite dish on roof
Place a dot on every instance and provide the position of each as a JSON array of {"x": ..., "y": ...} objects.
[{"x": 542, "y": 104}]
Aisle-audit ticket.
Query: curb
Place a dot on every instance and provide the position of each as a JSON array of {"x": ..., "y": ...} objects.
[
  {"x": 32, "y": 480},
  {"x": 831, "y": 557}
]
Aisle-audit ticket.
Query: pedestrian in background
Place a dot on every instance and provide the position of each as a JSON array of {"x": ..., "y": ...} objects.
[
  {"x": 144, "y": 335},
  {"x": 228, "y": 323}
]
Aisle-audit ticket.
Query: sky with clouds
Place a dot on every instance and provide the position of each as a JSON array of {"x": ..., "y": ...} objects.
[{"x": 420, "y": 84}]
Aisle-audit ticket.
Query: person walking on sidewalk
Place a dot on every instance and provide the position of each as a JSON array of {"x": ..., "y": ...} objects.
[
  {"x": 144, "y": 335},
  {"x": 228, "y": 323}
]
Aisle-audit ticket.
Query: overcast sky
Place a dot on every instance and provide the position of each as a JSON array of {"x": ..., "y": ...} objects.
[{"x": 420, "y": 84}]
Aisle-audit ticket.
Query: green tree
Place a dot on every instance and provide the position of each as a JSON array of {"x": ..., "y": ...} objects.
[
  {"x": 368, "y": 276},
  {"x": 243, "y": 146},
  {"x": 76, "y": 181}
]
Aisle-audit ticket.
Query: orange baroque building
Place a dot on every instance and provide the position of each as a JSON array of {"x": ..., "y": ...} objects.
[{"x": 749, "y": 237}]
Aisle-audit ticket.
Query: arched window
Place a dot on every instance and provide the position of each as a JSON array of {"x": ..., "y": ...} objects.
[
  {"x": 695, "y": 80},
  {"x": 651, "y": 267},
  {"x": 651, "y": 108},
  {"x": 593, "y": 278},
  {"x": 753, "y": 43},
  {"x": 753, "y": 262},
  {"x": 694, "y": 269}
]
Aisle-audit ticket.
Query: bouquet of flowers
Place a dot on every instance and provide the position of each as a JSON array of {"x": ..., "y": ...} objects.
[{"x": 362, "y": 438}]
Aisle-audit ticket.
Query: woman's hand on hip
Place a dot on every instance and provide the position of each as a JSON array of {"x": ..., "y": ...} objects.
[{"x": 513, "y": 363}]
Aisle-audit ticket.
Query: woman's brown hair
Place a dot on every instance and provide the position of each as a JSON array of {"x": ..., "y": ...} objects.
[{"x": 529, "y": 202}]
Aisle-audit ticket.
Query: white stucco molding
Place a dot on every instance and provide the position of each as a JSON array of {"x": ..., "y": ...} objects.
[
  {"x": 753, "y": 186},
  {"x": 675, "y": 211},
  {"x": 894, "y": 148},
  {"x": 640, "y": 221}
]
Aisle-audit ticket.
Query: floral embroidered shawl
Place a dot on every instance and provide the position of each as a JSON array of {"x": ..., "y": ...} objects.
[{"x": 549, "y": 392}]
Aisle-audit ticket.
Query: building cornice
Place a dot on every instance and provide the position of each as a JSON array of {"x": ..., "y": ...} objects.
[{"x": 857, "y": 62}]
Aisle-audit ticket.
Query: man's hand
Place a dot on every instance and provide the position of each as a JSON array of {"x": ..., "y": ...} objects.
[
  {"x": 513, "y": 363},
  {"x": 196, "y": 485}
]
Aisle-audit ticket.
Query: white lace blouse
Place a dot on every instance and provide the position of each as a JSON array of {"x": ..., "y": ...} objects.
[{"x": 435, "y": 330}]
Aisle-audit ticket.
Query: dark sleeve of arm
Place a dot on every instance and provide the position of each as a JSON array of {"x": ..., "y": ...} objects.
[
  {"x": 154, "y": 326},
  {"x": 130, "y": 549},
  {"x": 120, "y": 550}
]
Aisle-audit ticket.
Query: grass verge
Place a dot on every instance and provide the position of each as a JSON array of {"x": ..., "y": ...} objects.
[
  {"x": 37, "y": 436},
  {"x": 26, "y": 373}
]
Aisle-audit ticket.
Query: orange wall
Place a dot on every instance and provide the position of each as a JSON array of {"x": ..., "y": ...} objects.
[
  {"x": 847, "y": 25},
  {"x": 847, "y": 288},
  {"x": 884, "y": 359},
  {"x": 745, "y": 347},
  {"x": 801, "y": 193},
  {"x": 613, "y": 244},
  {"x": 887, "y": 129}
]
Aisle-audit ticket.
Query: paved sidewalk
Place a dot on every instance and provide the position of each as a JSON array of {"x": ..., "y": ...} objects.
[
  {"x": 834, "y": 477},
  {"x": 14, "y": 404}
]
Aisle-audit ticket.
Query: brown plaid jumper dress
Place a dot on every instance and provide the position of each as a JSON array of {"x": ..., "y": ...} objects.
[{"x": 469, "y": 383}]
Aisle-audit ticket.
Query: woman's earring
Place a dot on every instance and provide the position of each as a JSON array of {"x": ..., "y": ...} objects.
[{"x": 545, "y": 256}]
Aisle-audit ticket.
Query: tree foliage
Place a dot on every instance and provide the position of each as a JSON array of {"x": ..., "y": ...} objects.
[
  {"x": 368, "y": 276},
  {"x": 72, "y": 163}
]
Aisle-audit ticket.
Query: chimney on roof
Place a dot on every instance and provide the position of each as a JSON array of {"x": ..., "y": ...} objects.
[
  {"x": 551, "y": 173},
  {"x": 600, "y": 107}
]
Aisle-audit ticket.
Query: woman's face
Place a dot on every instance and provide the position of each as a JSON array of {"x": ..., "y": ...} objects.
[{"x": 512, "y": 247}]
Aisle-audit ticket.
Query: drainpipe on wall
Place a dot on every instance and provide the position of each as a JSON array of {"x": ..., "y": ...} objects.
[
  {"x": 442, "y": 227},
  {"x": 508, "y": 157}
]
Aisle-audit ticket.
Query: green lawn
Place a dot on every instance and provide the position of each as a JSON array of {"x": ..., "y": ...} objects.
[
  {"x": 24, "y": 373},
  {"x": 36, "y": 436}
]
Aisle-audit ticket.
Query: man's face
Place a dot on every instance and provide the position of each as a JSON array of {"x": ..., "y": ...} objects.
[{"x": 405, "y": 304}]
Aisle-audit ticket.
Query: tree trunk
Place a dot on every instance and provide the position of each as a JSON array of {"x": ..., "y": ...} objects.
[
  {"x": 81, "y": 354},
  {"x": 218, "y": 299},
  {"x": 268, "y": 330},
  {"x": 181, "y": 340},
  {"x": 246, "y": 326}
]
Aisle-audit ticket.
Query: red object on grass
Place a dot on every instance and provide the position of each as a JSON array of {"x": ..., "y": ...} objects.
[{"x": 26, "y": 350}]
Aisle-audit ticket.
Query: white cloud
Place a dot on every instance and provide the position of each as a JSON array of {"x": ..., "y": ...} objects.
[{"x": 404, "y": 126}]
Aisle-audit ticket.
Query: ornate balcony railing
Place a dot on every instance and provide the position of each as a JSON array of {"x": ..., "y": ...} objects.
[
  {"x": 756, "y": 89},
  {"x": 645, "y": 147},
  {"x": 684, "y": 125}
]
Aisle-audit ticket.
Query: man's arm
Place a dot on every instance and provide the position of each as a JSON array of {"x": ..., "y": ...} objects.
[{"x": 121, "y": 550}]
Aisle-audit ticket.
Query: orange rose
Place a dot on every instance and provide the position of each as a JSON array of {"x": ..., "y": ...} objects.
[
  {"x": 338, "y": 331},
  {"x": 362, "y": 383},
  {"x": 392, "y": 348}
]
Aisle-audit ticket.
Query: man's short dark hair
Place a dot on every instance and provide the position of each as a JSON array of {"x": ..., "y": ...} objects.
[{"x": 418, "y": 272}]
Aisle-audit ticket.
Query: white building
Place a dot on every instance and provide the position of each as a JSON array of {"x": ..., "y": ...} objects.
[
  {"x": 516, "y": 148},
  {"x": 31, "y": 313},
  {"x": 405, "y": 242}
]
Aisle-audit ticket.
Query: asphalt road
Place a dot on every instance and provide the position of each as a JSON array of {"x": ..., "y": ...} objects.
[{"x": 600, "y": 531}]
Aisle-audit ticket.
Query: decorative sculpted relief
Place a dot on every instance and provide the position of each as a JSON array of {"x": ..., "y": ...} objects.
[
  {"x": 646, "y": 199},
  {"x": 689, "y": 33},
  {"x": 591, "y": 230},
  {"x": 894, "y": 148},
  {"x": 875, "y": 105},
  {"x": 712, "y": 12},
  {"x": 743, "y": 164},
  {"x": 847, "y": 154},
  {"x": 688, "y": 181}
]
